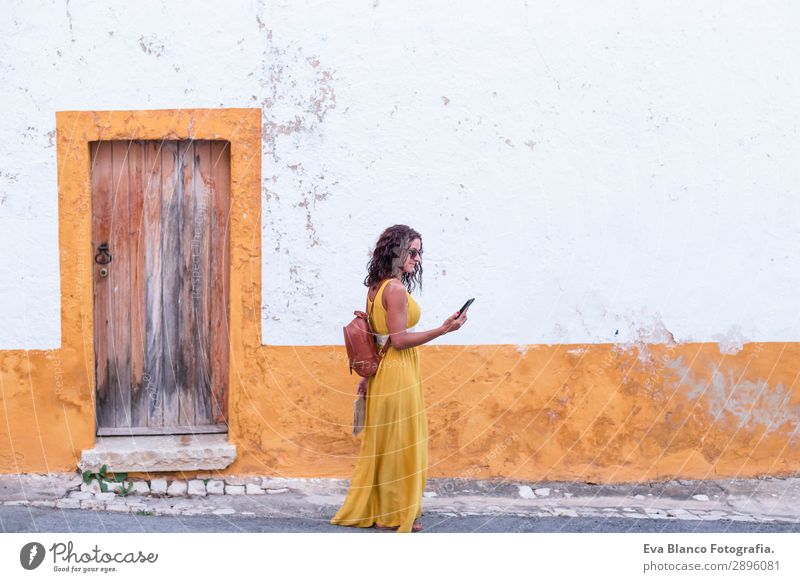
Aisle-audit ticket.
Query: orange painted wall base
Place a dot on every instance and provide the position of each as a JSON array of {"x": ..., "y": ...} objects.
[{"x": 595, "y": 413}]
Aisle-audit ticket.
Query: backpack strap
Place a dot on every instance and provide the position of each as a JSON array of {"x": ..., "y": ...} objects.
[
  {"x": 369, "y": 315},
  {"x": 369, "y": 311}
]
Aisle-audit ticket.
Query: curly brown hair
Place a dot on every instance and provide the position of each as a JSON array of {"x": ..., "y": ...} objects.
[{"x": 390, "y": 254}]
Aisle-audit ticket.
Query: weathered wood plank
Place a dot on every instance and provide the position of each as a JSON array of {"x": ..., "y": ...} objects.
[
  {"x": 154, "y": 330},
  {"x": 219, "y": 264},
  {"x": 119, "y": 279},
  {"x": 137, "y": 306},
  {"x": 187, "y": 326},
  {"x": 171, "y": 202},
  {"x": 201, "y": 275},
  {"x": 101, "y": 232}
]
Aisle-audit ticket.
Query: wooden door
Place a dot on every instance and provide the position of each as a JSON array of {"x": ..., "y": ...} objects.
[{"x": 161, "y": 287}]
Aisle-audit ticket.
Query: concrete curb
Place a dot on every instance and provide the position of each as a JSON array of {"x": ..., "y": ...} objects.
[{"x": 754, "y": 500}]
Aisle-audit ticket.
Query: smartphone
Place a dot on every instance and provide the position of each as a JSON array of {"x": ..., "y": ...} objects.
[{"x": 465, "y": 306}]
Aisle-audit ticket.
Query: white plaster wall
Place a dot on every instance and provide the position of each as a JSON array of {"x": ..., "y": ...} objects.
[{"x": 590, "y": 172}]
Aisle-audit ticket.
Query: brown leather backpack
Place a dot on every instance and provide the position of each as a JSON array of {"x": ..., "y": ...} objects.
[{"x": 359, "y": 340}]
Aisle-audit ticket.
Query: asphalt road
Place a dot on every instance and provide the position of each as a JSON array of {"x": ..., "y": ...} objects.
[{"x": 44, "y": 520}]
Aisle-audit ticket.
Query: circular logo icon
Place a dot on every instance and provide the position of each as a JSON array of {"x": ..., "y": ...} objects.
[{"x": 31, "y": 555}]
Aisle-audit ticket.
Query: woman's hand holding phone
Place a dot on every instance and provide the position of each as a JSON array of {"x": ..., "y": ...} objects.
[
  {"x": 459, "y": 318},
  {"x": 454, "y": 322}
]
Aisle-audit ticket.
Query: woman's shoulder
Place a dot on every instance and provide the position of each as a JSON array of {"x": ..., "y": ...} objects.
[
  {"x": 396, "y": 292},
  {"x": 396, "y": 287},
  {"x": 395, "y": 284},
  {"x": 391, "y": 285}
]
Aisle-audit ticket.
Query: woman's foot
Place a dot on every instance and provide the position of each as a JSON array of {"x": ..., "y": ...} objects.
[{"x": 417, "y": 526}]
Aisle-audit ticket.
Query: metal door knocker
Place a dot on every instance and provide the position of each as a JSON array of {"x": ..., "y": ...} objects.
[{"x": 103, "y": 257}]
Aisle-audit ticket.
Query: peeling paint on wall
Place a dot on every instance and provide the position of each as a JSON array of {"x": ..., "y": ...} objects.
[
  {"x": 745, "y": 404},
  {"x": 731, "y": 342},
  {"x": 152, "y": 45}
]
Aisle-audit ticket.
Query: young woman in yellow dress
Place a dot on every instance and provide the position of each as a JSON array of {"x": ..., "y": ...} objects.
[{"x": 389, "y": 479}]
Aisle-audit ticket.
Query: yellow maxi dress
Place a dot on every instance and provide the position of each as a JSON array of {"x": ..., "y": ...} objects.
[{"x": 389, "y": 479}]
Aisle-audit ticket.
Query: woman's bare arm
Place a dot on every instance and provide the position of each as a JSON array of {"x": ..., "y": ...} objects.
[{"x": 397, "y": 317}]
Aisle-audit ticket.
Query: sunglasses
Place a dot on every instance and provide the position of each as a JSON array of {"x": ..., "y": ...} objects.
[{"x": 414, "y": 253}]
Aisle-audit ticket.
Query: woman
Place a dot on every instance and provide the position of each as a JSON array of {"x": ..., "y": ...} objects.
[{"x": 389, "y": 478}]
